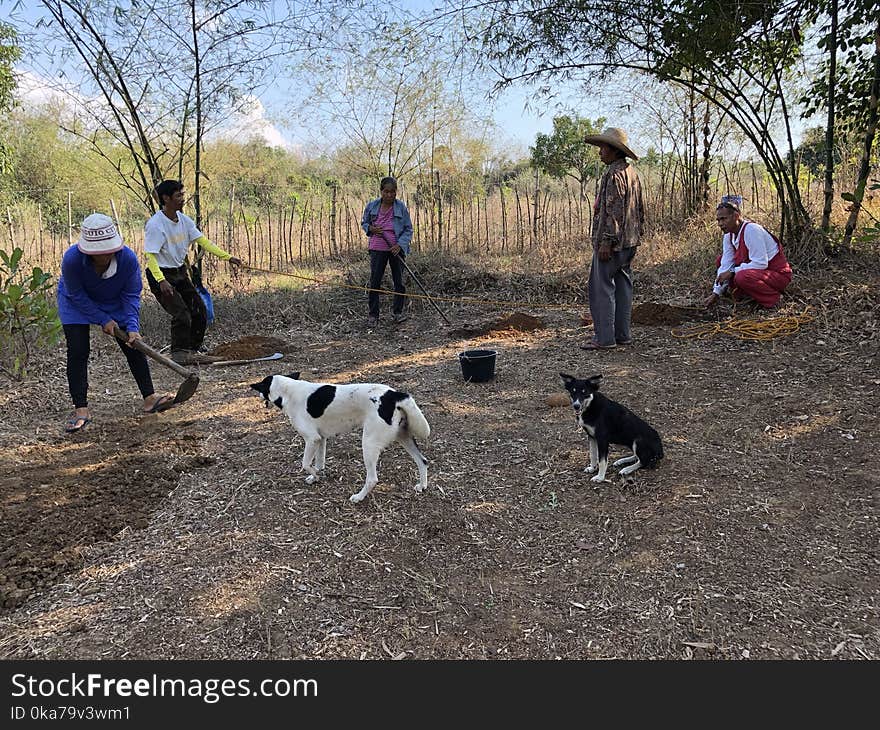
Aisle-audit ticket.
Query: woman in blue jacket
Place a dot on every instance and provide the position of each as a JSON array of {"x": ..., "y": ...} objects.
[
  {"x": 387, "y": 223},
  {"x": 101, "y": 284}
]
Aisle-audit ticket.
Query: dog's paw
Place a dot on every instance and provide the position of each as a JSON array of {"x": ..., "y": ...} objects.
[
  {"x": 311, "y": 479},
  {"x": 419, "y": 488},
  {"x": 597, "y": 478},
  {"x": 589, "y": 469},
  {"x": 355, "y": 498}
]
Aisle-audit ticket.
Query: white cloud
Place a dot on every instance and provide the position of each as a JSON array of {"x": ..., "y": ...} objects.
[
  {"x": 32, "y": 89},
  {"x": 250, "y": 122}
]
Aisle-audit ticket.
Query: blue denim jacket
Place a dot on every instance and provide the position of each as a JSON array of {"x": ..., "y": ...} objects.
[{"x": 403, "y": 229}]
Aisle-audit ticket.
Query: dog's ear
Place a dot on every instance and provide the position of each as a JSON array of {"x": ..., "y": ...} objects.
[
  {"x": 594, "y": 381},
  {"x": 566, "y": 378},
  {"x": 263, "y": 386},
  {"x": 293, "y": 376}
]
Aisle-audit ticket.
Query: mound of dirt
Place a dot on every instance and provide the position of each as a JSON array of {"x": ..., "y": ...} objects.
[
  {"x": 516, "y": 322},
  {"x": 556, "y": 400},
  {"x": 651, "y": 313},
  {"x": 519, "y": 322},
  {"x": 248, "y": 347}
]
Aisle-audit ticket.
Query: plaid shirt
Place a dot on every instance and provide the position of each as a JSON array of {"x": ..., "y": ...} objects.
[{"x": 619, "y": 213}]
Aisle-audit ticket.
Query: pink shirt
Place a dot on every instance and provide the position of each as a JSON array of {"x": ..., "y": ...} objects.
[{"x": 385, "y": 220}]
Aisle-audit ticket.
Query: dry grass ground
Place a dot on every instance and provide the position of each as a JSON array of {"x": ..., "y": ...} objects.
[{"x": 191, "y": 534}]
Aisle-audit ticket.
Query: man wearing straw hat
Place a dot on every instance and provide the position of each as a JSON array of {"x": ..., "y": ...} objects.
[{"x": 618, "y": 222}]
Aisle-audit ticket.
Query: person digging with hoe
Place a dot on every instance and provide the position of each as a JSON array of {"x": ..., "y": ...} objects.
[
  {"x": 101, "y": 284},
  {"x": 167, "y": 237}
]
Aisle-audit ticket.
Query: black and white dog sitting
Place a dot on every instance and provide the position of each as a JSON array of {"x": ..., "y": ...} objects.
[
  {"x": 608, "y": 422},
  {"x": 318, "y": 411}
]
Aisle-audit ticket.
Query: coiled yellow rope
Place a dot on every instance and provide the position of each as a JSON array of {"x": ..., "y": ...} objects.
[{"x": 755, "y": 329}]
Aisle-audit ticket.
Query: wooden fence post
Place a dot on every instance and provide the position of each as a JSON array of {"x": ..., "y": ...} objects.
[
  {"x": 230, "y": 220},
  {"x": 333, "y": 193},
  {"x": 537, "y": 203},
  {"x": 503, "y": 219},
  {"x": 69, "y": 219},
  {"x": 11, "y": 231},
  {"x": 40, "y": 220},
  {"x": 290, "y": 233},
  {"x": 519, "y": 233},
  {"x": 486, "y": 218},
  {"x": 438, "y": 201},
  {"x": 302, "y": 229}
]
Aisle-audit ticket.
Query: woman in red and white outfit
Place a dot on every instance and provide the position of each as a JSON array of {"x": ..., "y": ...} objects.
[{"x": 752, "y": 262}]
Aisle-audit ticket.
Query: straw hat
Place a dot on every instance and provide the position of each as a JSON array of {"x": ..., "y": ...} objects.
[
  {"x": 98, "y": 235},
  {"x": 615, "y": 137}
]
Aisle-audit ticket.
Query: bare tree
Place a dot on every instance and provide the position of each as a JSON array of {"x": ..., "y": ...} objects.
[
  {"x": 162, "y": 72},
  {"x": 829, "y": 126},
  {"x": 389, "y": 96},
  {"x": 740, "y": 67},
  {"x": 873, "y": 112}
]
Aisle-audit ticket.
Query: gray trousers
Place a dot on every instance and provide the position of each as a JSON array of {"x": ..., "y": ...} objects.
[{"x": 611, "y": 296}]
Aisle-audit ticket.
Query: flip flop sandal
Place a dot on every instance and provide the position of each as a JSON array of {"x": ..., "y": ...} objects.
[
  {"x": 162, "y": 404},
  {"x": 71, "y": 427}
]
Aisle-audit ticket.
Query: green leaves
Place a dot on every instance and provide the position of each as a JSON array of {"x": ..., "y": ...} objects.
[
  {"x": 28, "y": 316},
  {"x": 564, "y": 152},
  {"x": 853, "y": 40},
  {"x": 9, "y": 54},
  {"x": 10, "y": 262}
]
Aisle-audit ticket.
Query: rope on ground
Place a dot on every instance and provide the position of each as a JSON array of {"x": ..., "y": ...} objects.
[
  {"x": 754, "y": 329},
  {"x": 454, "y": 300}
]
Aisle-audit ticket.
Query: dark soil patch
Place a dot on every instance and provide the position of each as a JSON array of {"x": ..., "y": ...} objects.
[
  {"x": 512, "y": 323},
  {"x": 249, "y": 347},
  {"x": 63, "y": 496},
  {"x": 665, "y": 315}
]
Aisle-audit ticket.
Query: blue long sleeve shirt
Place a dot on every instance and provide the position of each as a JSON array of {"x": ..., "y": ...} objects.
[
  {"x": 86, "y": 298},
  {"x": 403, "y": 227}
]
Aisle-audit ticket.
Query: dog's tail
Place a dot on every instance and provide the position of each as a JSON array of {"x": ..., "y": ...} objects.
[{"x": 415, "y": 419}]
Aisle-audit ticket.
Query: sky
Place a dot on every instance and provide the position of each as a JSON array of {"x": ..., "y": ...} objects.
[
  {"x": 518, "y": 114},
  {"x": 515, "y": 114},
  {"x": 518, "y": 117}
]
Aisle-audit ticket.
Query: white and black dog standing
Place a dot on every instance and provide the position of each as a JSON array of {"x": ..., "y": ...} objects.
[
  {"x": 608, "y": 422},
  {"x": 318, "y": 411}
]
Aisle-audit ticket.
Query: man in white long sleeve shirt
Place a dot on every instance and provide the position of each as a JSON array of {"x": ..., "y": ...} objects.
[
  {"x": 752, "y": 262},
  {"x": 167, "y": 238}
]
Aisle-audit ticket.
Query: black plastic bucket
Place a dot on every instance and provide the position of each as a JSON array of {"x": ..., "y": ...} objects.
[{"x": 477, "y": 366}]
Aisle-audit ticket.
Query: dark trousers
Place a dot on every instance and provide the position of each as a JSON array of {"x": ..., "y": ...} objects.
[
  {"x": 378, "y": 261},
  {"x": 78, "y": 347},
  {"x": 189, "y": 318}
]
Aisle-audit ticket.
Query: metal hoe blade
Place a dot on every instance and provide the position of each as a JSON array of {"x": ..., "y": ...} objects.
[{"x": 187, "y": 388}]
